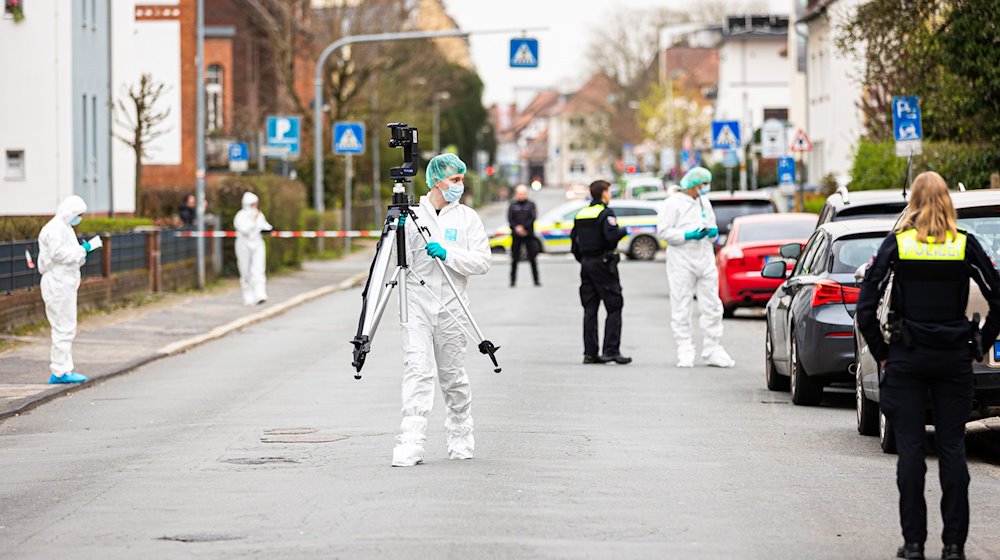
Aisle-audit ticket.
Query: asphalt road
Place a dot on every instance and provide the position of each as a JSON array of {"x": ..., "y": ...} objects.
[{"x": 573, "y": 460}]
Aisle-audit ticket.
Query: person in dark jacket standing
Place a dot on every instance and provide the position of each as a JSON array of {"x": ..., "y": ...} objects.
[
  {"x": 594, "y": 239},
  {"x": 521, "y": 215},
  {"x": 927, "y": 265},
  {"x": 187, "y": 211}
]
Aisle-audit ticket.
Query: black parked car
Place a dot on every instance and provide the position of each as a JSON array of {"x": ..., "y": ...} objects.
[
  {"x": 810, "y": 318},
  {"x": 979, "y": 214},
  {"x": 859, "y": 205}
]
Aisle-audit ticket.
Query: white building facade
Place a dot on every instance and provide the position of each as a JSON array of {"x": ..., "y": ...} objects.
[
  {"x": 60, "y": 65},
  {"x": 833, "y": 91}
]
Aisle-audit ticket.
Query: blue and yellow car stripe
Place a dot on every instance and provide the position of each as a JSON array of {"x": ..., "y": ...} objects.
[{"x": 557, "y": 239}]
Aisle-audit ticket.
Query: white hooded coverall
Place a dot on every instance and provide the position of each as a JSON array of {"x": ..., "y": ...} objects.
[
  {"x": 251, "y": 253},
  {"x": 691, "y": 270},
  {"x": 432, "y": 342},
  {"x": 60, "y": 257}
]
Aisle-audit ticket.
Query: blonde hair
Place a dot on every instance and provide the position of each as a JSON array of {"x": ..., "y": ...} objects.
[{"x": 930, "y": 211}]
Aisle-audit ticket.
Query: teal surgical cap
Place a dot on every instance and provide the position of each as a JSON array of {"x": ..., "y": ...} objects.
[
  {"x": 695, "y": 177},
  {"x": 443, "y": 166}
]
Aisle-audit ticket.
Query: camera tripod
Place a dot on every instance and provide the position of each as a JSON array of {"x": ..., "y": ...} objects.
[{"x": 381, "y": 283}]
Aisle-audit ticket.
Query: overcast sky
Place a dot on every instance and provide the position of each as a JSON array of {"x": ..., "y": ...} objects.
[{"x": 562, "y": 48}]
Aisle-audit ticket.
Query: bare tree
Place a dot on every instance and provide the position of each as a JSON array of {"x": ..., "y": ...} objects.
[{"x": 139, "y": 123}]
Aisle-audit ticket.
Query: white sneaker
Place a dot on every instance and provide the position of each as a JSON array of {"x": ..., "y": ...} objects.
[
  {"x": 719, "y": 358},
  {"x": 410, "y": 449},
  {"x": 461, "y": 443},
  {"x": 407, "y": 455}
]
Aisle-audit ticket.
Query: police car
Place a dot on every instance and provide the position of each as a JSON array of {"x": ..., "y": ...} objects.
[{"x": 553, "y": 229}]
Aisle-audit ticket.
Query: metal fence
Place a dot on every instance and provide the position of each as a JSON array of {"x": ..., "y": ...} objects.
[
  {"x": 173, "y": 248},
  {"x": 15, "y": 274}
]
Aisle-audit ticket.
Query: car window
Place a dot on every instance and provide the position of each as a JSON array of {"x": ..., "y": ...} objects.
[
  {"x": 984, "y": 223},
  {"x": 807, "y": 254},
  {"x": 824, "y": 214},
  {"x": 886, "y": 210},
  {"x": 623, "y": 211},
  {"x": 774, "y": 231},
  {"x": 821, "y": 258},
  {"x": 851, "y": 252},
  {"x": 727, "y": 210}
]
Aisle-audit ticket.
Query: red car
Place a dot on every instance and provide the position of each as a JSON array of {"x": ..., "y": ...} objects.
[{"x": 753, "y": 241}]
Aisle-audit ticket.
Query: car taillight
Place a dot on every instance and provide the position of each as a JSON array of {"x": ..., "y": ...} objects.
[{"x": 828, "y": 291}]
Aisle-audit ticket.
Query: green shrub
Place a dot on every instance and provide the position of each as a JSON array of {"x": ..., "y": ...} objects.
[
  {"x": 27, "y": 227},
  {"x": 876, "y": 165},
  {"x": 163, "y": 202},
  {"x": 283, "y": 202},
  {"x": 109, "y": 225}
]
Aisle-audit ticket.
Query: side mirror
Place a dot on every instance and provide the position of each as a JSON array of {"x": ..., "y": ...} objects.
[
  {"x": 859, "y": 274},
  {"x": 791, "y": 251},
  {"x": 776, "y": 270}
]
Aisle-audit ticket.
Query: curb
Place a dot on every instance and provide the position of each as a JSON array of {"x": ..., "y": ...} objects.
[{"x": 181, "y": 346}]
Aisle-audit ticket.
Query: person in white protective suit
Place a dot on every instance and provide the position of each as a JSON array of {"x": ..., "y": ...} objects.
[
  {"x": 251, "y": 253},
  {"x": 60, "y": 256},
  {"x": 433, "y": 343},
  {"x": 687, "y": 224}
]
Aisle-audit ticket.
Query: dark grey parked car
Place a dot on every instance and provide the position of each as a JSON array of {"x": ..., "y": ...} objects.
[
  {"x": 978, "y": 213},
  {"x": 810, "y": 318},
  {"x": 859, "y": 205}
]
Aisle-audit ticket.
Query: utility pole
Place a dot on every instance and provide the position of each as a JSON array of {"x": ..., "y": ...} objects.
[{"x": 199, "y": 130}]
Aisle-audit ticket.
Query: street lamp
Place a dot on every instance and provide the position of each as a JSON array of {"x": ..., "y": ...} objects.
[{"x": 438, "y": 97}]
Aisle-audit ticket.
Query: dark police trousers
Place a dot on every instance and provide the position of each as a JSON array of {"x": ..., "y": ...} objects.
[
  {"x": 530, "y": 244},
  {"x": 903, "y": 399},
  {"x": 599, "y": 282}
]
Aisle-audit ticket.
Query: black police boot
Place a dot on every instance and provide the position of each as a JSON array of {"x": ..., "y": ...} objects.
[
  {"x": 618, "y": 359},
  {"x": 953, "y": 552},
  {"x": 589, "y": 359},
  {"x": 911, "y": 550}
]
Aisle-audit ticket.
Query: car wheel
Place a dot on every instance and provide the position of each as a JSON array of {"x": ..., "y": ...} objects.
[
  {"x": 775, "y": 381},
  {"x": 729, "y": 311},
  {"x": 643, "y": 248},
  {"x": 805, "y": 390},
  {"x": 886, "y": 434},
  {"x": 867, "y": 409}
]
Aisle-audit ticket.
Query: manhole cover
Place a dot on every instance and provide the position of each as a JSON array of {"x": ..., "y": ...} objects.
[
  {"x": 200, "y": 537},
  {"x": 260, "y": 460},
  {"x": 300, "y": 438},
  {"x": 289, "y": 431}
]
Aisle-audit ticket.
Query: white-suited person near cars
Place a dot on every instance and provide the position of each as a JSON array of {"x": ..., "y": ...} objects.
[
  {"x": 251, "y": 253},
  {"x": 60, "y": 256},
  {"x": 926, "y": 265},
  {"x": 687, "y": 223},
  {"x": 434, "y": 344}
]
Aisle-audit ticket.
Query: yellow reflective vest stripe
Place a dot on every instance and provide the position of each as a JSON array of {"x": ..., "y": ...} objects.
[
  {"x": 911, "y": 249},
  {"x": 590, "y": 212}
]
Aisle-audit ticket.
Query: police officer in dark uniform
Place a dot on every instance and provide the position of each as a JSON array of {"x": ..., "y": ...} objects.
[
  {"x": 594, "y": 239},
  {"x": 521, "y": 216},
  {"x": 930, "y": 348}
]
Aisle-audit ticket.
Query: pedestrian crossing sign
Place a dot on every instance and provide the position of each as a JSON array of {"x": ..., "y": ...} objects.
[
  {"x": 524, "y": 53},
  {"x": 725, "y": 135},
  {"x": 349, "y": 138}
]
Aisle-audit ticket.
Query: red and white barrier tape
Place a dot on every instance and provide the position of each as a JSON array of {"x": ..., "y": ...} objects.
[{"x": 289, "y": 234}]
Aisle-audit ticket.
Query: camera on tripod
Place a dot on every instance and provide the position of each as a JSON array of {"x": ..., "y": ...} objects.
[{"x": 401, "y": 135}]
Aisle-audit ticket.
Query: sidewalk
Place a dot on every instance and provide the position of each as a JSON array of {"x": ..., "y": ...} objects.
[{"x": 111, "y": 345}]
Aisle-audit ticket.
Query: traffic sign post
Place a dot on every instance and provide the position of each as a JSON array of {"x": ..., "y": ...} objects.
[
  {"x": 348, "y": 139},
  {"x": 730, "y": 160},
  {"x": 524, "y": 53},
  {"x": 239, "y": 157},
  {"x": 726, "y": 135},
  {"x": 285, "y": 132},
  {"x": 906, "y": 125}
]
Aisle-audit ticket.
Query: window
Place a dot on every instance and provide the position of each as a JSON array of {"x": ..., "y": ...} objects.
[
  {"x": 15, "y": 164},
  {"x": 801, "y": 266},
  {"x": 576, "y": 122},
  {"x": 577, "y": 166},
  {"x": 85, "y": 139},
  {"x": 213, "y": 98},
  {"x": 779, "y": 114}
]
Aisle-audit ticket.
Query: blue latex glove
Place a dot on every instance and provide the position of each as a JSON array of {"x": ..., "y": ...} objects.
[
  {"x": 86, "y": 246},
  {"x": 435, "y": 250},
  {"x": 713, "y": 232},
  {"x": 694, "y": 234}
]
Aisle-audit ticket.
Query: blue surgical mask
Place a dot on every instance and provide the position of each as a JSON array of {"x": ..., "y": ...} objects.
[
  {"x": 76, "y": 220},
  {"x": 454, "y": 192},
  {"x": 705, "y": 189}
]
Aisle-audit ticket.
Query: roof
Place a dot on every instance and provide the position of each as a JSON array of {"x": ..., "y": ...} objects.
[
  {"x": 978, "y": 197},
  {"x": 593, "y": 95},
  {"x": 851, "y": 227},
  {"x": 696, "y": 67},
  {"x": 864, "y": 198},
  {"x": 542, "y": 103},
  {"x": 814, "y": 9}
]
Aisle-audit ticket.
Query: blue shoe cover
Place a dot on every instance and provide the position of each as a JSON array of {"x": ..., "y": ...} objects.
[{"x": 71, "y": 377}]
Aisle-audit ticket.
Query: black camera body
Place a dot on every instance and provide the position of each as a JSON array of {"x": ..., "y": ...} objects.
[{"x": 404, "y": 136}]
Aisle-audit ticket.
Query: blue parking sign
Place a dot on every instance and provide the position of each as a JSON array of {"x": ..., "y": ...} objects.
[
  {"x": 284, "y": 132},
  {"x": 906, "y": 118},
  {"x": 786, "y": 171}
]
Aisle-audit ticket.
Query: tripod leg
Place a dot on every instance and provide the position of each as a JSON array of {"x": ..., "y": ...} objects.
[{"x": 383, "y": 301}]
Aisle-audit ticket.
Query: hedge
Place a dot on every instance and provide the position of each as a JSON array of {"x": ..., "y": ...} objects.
[
  {"x": 876, "y": 165},
  {"x": 27, "y": 227}
]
